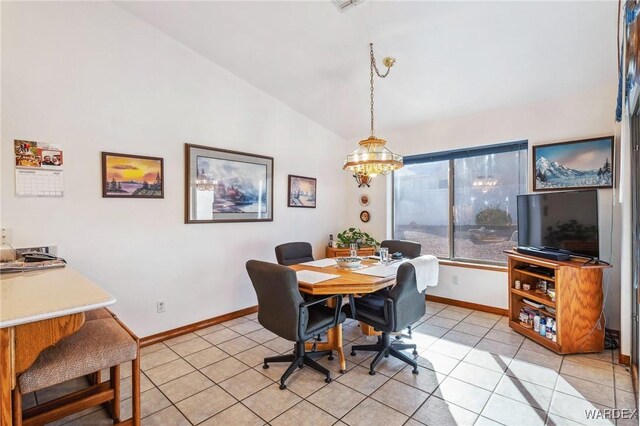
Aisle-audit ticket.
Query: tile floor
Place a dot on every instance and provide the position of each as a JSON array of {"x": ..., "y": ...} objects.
[{"x": 473, "y": 371}]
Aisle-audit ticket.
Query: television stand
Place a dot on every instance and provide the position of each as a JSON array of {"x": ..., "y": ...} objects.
[{"x": 577, "y": 308}]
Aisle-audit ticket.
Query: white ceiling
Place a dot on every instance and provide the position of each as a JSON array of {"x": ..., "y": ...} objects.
[{"x": 453, "y": 58}]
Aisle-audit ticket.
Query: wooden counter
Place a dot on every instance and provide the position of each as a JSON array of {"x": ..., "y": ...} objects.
[{"x": 37, "y": 309}]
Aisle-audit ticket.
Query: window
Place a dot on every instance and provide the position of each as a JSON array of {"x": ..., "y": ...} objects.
[{"x": 461, "y": 205}]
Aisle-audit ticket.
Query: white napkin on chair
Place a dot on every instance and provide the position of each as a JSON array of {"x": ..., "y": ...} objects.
[{"x": 426, "y": 271}]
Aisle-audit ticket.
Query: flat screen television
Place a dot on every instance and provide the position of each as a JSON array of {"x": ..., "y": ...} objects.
[{"x": 561, "y": 220}]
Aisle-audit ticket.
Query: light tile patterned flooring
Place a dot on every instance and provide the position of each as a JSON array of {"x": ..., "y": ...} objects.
[{"x": 473, "y": 371}]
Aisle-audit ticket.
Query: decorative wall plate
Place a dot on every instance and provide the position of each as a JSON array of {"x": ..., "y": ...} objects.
[
  {"x": 365, "y": 216},
  {"x": 364, "y": 200}
]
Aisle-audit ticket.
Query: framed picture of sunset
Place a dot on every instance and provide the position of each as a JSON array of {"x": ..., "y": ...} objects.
[{"x": 132, "y": 176}]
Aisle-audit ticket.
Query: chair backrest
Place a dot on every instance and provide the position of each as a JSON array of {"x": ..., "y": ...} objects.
[
  {"x": 408, "y": 249},
  {"x": 294, "y": 253},
  {"x": 278, "y": 297},
  {"x": 409, "y": 303}
]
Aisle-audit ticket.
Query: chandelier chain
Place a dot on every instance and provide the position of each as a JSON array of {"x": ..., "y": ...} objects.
[{"x": 374, "y": 67}]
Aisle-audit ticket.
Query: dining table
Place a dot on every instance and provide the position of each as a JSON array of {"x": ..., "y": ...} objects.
[{"x": 346, "y": 282}]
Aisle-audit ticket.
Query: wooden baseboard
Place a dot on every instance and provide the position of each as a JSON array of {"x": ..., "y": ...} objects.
[
  {"x": 190, "y": 328},
  {"x": 468, "y": 305},
  {"x": 624, "y": 359}
]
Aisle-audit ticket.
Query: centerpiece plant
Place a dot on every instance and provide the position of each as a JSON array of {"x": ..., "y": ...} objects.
[{"x": 355, "y": 235}]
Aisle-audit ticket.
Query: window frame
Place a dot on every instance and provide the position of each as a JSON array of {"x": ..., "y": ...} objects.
[{"x": 450, "y": 156}]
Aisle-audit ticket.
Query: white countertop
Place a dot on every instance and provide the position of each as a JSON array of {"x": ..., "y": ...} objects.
[{"x": 39, "y": 295}]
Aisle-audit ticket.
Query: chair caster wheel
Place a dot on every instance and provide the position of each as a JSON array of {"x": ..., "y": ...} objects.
[
  {"x": 386, "y": 356},
  {"x": 330, "y": 358},
  {"x": 301, "y": 366},
  {"x": 415, "y": 371},
  {"x": 372, "y": 373},
  {"x": 343, "y": 371},
  {"x": 283, "y": 387},
  {"x": 265, "y": 366},
  {"x": 353, "y": 353},
  {"x": 327, "y": 380},
  {"x": 415, "y": 353}
]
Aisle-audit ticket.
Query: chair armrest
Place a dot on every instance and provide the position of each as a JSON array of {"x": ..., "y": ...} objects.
[
  {"x": 313, "y": 302},
  {"x": 336, "y": 312},
  {"x": 352, "y": 304}
]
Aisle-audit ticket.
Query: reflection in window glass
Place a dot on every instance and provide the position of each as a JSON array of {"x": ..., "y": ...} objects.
[
  {"x": 485, "y": 189},
  {"x": 477, "y": 208},
  {"x": 421, "y": 206}
]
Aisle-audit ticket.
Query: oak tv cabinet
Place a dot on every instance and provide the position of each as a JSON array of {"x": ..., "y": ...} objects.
[{"x": 578, "y": 301}]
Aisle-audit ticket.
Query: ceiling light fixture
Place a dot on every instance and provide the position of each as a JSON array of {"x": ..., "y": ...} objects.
[{"x": 372, "y": 157}]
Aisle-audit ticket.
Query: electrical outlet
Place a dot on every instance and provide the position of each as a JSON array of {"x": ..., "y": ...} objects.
[
  {"x": 6, "y": 236},
  {"x": 161, "y": 307},
  {"x": 454, "y": 279}
]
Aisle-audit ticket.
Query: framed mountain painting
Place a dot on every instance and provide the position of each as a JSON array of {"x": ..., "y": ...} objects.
[{"x": 580, "y": 164}]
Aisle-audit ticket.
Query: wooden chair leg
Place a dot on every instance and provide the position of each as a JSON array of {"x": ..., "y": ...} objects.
[
  {"x": 135, "y": 389},
  {"x": 17, "y": 406},
  {"x": 114, "y": 378}
]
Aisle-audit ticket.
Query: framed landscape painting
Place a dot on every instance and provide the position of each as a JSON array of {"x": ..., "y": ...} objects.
[
  {"x": 581, "y": 164},
  {"x": 227, "y": 186},
  {"x": 302, "y": 192},
  {"x": 132, "y": 176}
]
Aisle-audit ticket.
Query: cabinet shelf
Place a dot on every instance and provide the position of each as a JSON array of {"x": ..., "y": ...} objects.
[
  {"x": 533, "y": 274},
  {"x": 536, "y": 297},
  {"x": 542, "y": 310},
  {"x": 550, "y": 344}
]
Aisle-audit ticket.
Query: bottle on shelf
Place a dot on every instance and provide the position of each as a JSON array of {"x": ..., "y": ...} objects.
[
  {"x": 536, "y": 323},
  {"x": 330, "y": 240},
  {"x": 549, "y": 332},
  {"x": 543, "y": 327},
  {"x": 554, "y": 332}
]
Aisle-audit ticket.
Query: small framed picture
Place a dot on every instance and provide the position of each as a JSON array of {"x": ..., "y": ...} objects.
[
  {"x": 132, "y": 176},
  {"x": 302, "y": 192},
  {"x": 364, "y": 200},
  {"x": 365, "y": 216}
]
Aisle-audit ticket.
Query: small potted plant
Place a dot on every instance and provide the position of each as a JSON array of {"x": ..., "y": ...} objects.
[{"x": 355, "y": 235}]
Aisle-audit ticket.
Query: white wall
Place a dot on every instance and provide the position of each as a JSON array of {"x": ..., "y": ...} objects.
[
  {"x": 582, "y": 115},
  {"x": 93, "y": 78}
]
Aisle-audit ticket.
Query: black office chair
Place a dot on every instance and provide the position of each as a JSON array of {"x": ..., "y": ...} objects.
[
  {"x": 403, "y": 305},
  {"x": 409, "y": 249},
  {"x": 293, "y": 253},
  {"x": 282, "y": 311}
]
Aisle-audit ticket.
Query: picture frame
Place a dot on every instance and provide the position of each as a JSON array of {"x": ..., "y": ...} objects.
[
  {"x": 364, "y": 200},
  {"x": 301, "y": 192},
  {"x": 365, "y": 216},
  {"x": 227, "y": 186},
  {"x": 579, "y": 164},
  {"x": 132, "y": 176}
]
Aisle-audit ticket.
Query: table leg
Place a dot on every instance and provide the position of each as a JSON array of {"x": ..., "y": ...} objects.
[{"x": 6, "y": 375}]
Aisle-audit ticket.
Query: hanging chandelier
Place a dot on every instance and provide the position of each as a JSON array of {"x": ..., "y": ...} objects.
[{"x": 372, "y": 156}]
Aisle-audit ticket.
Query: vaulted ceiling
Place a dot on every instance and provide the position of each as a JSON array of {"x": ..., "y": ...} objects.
[{"x": 453, "y": 58}]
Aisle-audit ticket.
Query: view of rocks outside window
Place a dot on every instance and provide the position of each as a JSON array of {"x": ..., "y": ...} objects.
[{"x": 484, "y": 205}]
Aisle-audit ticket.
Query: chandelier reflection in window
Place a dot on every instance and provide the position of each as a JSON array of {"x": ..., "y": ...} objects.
[{"x": 485, "y": 183}]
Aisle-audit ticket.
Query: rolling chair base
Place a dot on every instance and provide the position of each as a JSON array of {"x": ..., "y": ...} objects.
[
  {"x": 299, "y": 359},
  {"x": 384, "y": 349}
]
